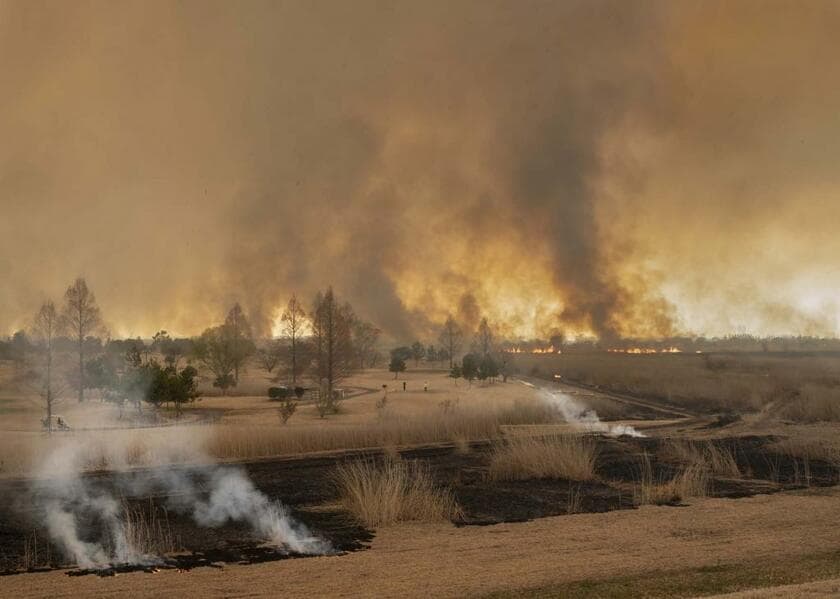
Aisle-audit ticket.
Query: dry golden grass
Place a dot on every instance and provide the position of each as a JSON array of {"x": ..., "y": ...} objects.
[
  {"x": 705, "y": 454},
  {"x": 379, "y": 494},
  {"x": 37, "y": 552},
  {"x": 434, "y": 426},
  {"x": 248, "y": 442},
  {"x": 813, "y": 403},
  {"x": 147, "y": 531},
  {"x": 802, "y": 389},
  {"x": 692, "y": 481},
  {"x": 825, "y": 450},
  {"x": 555, "y": 456},
  {"x": 35, "y": 453}
]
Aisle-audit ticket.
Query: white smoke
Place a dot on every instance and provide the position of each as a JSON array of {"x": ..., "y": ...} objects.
[
  {"x": 582, "y": 416},
  {"x": 73, "y": 506},
  {"x": 234, "y": 497}
]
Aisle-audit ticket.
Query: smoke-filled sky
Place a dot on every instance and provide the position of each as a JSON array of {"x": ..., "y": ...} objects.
[{"x": 617, "y": 168}]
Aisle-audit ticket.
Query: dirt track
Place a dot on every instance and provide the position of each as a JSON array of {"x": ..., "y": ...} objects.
[{"x": 441, "y": 560}]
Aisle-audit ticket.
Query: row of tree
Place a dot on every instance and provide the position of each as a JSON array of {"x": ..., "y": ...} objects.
[
  {"x": 485, "y": 360},
  {"x": 324, "y": 344}
]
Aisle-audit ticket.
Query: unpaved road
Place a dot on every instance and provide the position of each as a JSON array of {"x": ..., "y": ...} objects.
[{"x": 444, "y": 561}]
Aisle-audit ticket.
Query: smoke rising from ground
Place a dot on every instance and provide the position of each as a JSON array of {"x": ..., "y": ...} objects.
[
  {"x": 608, "y": 167},
  {"x": 88, "y": 521},
  {"x": 579, "y": 415}
]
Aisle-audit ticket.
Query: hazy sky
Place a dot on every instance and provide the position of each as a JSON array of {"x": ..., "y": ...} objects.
[{"x": 614, "y": 167}]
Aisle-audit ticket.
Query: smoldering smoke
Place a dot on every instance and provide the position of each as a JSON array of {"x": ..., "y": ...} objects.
[
  {"x": 581, "y": 416},
  {"x": 86, "y": 521}
]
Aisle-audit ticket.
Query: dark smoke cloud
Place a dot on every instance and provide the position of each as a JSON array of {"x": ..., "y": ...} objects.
[{"x": 600, "y": 167}]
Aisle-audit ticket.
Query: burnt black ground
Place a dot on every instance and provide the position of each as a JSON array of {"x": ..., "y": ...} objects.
[{"x": 306, "y": 487}]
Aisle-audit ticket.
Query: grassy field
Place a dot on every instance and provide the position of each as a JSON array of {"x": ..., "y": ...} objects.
[
  {"x": 533, "y": 451},
  {"x": 797, "y": 387},
  {"x": 249, "y": 426}
]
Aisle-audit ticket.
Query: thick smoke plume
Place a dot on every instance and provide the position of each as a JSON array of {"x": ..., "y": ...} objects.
[
  {"x": 87, "y": 521},
  {"x": 622, "y": 168}
]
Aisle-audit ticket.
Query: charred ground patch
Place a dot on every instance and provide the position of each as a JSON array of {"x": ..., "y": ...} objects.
[{"x": 306, "y": 486}]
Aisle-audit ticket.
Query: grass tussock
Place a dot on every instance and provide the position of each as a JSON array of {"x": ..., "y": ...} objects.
[
  {"x": 379, "y": 494},
  {"x": 718, "y": 460},
  {"x": 37, "y": 552},
  {"x": 554, "y": 456},
  {"x": 811, "y": 403},
  {"x": 148, "y": 531},
  {"x": 823, "y": 450},
  {"x": 692, "y": 481}
]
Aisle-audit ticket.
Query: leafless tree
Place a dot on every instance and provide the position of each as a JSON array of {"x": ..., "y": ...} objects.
[
  {"x": 81, "y": 317},
  {"x": 294, "y": 323},
  {"x": 365, "y": 336},
  {"x": 451, "y": 337},
  {"x": 483, "y": 342},
  {"x": 45, "y": 328},
  {"x": 215, "y": 350},
  {"x": 242, "y": 344},
  {"x": 331, "y": 325},
  {"x": 270, "y": 354}
]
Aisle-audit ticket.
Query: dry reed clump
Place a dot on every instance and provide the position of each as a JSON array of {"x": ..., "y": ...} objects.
[
  {"x": 555, "y": 456},
  {"x": 379, "y": 494},
  {"x": 147, "y": 531},
  {"x": 692, "y": 481},
  {"x": 435, "y": 426},
  {"x": 812, "y": 403},
  {"x": 824, "y": 450},
  {"x": 36, "y": 553},
  {"x": 717, "y": 460}
]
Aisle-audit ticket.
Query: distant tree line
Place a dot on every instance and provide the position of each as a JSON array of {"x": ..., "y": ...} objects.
[{"x": 484, "y": 361}]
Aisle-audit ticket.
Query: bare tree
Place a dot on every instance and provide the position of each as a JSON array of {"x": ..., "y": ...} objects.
[
  {"x": 46, "y": 327},
  {"x": 270, "y": 354},
  {"x": 80, "y": 318},
  {"x": 451, "y": 337},
  {"x": 483, "y": 342},
  {"x": 242, "y": 344},
  {"x": 331, "y": 324},
  {"x": 214, "y": 349},
  {"x": 365, "y": 336},
  {"x": 294, "y": 322}
]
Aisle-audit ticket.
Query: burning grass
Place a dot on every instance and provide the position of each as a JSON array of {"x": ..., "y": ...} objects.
[
  {"x": 379, "y": 494},
  {"x": 554, "y": 456}
]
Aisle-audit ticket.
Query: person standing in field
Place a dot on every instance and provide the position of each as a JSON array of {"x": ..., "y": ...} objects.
[{"x": 403, "y": 385}]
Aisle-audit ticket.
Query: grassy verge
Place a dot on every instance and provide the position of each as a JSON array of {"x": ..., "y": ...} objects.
[{"x": 695, "y": 582}]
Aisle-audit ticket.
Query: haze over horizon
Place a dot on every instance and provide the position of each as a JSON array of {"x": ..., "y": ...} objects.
[{"x": 614, "y": 168}]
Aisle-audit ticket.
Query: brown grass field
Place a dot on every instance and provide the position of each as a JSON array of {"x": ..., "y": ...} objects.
[{"x": 731, "y": 488}]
